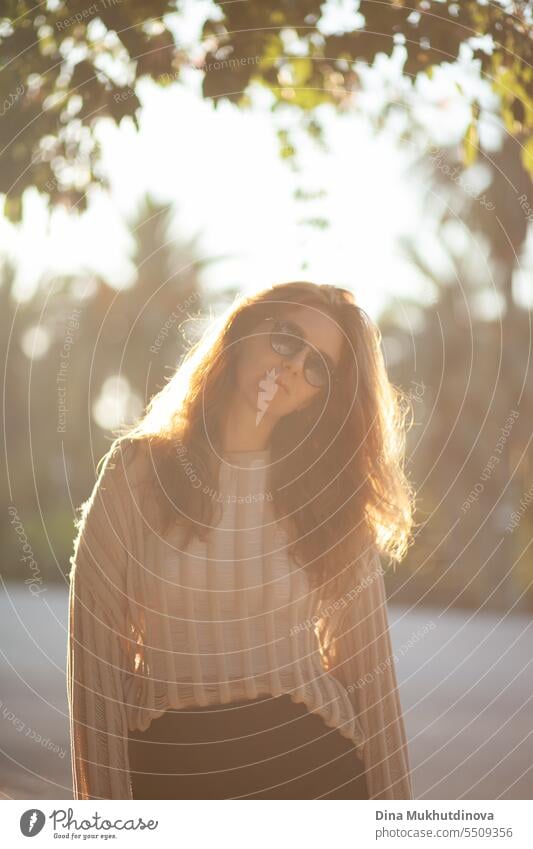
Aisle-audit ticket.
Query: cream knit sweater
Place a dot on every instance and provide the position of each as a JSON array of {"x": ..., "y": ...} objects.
[{"x": 153, "y": 626}]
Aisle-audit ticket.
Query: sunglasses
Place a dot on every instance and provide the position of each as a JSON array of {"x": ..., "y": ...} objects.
[{"x": 286, "y": 339}]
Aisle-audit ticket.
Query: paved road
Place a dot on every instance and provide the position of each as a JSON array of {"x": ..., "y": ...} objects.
[{"x": 466, "y": 687}]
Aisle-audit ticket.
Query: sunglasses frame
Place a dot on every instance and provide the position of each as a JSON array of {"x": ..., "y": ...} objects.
[{"x": 333, "y": 376}]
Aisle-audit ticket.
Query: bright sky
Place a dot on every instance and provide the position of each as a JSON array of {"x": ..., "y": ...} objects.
[{"x": 221, "y": 169}]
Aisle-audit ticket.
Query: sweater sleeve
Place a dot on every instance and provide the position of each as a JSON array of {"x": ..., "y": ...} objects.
[
  {"x": 365, "y": 665},
  {"x": 97, "y": 636}
]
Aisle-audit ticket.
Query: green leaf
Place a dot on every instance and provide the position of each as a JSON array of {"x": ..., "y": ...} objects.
[
  {"x": 527, "y": 156},
  {"x": 13, "y": 209},
  {"x": 301, "y": 70},
  {"x": 470, "y": 144}
]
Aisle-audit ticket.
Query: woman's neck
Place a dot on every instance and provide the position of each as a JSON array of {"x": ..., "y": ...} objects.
[{"x": 239, "y": 431}]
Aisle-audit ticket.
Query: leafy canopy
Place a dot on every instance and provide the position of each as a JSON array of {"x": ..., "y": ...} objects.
[{"x": 67, "y": 65}]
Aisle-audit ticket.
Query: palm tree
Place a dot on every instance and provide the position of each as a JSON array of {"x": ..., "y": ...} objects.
[
  {"x": 102, "y": 354},
  {"x": 473, "y": 368}
]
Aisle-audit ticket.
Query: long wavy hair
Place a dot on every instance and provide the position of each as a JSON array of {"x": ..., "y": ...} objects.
[{"x": 340, "y": 482}]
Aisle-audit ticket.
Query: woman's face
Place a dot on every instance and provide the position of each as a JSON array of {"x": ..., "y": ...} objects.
[{"x": 275, "y": 384}]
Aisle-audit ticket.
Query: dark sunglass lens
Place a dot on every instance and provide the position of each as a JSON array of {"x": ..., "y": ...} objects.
[
  {"x": 284, "y": 339},
  {"x": 316, "y": 371}
]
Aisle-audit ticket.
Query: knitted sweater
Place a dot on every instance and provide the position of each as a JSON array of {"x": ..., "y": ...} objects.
[{"x": 154, "y": 625}]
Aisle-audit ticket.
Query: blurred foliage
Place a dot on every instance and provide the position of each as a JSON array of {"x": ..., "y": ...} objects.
[
  {"x": 67, "y": 65},
  {"x": 131, "y": 337},
  {"x": 466, "y": 370}
]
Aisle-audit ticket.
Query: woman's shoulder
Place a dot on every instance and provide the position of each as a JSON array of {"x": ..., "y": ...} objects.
[
  {"x": 127, "y": 461},
  {"x": 127, "y": 458},
  {"x": 121, "y": 473},
  {"x": 135, "y": 466},
  {"x": 105, "y": 520}
]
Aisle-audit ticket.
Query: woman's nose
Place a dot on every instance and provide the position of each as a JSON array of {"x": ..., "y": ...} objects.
[{"x": 297, "y": 360}]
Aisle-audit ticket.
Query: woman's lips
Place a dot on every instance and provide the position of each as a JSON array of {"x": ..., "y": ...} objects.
[{"x": 283, "y": 386}]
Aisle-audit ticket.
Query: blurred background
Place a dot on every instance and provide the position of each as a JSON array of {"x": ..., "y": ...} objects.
[{"x": 158, "y": 159}]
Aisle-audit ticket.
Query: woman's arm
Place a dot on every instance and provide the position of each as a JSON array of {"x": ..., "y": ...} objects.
[
  {"x": 97, "y": 640},
  {"x": 365, "y": 665}
]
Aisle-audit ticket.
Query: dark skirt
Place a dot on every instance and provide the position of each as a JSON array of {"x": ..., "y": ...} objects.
[{"x": 268, "y": 748}]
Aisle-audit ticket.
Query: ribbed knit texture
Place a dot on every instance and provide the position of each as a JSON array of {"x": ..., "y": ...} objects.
[{"x": 154, "y": 626}]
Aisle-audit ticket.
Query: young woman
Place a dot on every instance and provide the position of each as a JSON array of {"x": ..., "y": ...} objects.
[{"x": 228, "y": 629}]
